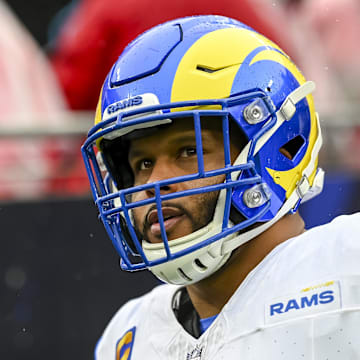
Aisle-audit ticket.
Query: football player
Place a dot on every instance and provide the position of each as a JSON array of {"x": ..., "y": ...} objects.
[{"x": 205, "y": 142}]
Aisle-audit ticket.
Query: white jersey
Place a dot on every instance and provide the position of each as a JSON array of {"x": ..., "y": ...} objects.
[{"x": 301, "y": 302}]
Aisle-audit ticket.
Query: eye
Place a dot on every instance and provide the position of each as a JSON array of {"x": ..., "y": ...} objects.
[
  {"x": 144, "y": 164},
  {"x": 188, "y": 151}
]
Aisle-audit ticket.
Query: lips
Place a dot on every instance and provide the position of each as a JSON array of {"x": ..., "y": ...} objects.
[{"x": 171, "y": 217}]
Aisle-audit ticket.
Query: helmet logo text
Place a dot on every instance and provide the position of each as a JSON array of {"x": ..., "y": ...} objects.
[{"x": 123, "y": 104}]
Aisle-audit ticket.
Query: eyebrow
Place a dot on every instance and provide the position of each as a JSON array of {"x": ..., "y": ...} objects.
[
  {"x": 180, "y": 139},
  {"x": 184, "y": 138}
]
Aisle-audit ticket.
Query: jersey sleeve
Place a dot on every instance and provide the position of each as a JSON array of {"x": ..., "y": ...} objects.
[
  {"x": 121, "y": 327},
  {"x": 133, "y": 326}
]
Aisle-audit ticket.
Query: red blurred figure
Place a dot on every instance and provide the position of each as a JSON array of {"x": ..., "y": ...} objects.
[{"x": 98, "y": 30}]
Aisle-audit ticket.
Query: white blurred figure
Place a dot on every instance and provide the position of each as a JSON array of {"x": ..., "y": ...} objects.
[
  {"x": 312, "y": 56},
  {"x": 327, "y": 34},
  {"x": 337, "y": 25},
  {"x": 28, "y": 93}
]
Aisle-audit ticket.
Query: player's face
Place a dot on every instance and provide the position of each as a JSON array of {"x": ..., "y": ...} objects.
[{"x": 171, "y": 152}]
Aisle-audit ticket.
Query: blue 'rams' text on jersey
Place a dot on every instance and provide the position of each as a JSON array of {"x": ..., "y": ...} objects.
[
  {"x": 315, "y": 299},
  {"x": 324, "y": 297}
]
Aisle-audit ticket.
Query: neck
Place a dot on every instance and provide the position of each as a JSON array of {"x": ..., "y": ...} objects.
[{"x": 211, "y": 294}]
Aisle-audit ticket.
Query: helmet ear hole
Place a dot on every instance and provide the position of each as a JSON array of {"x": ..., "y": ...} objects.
[{"x": 292, "y": 147}]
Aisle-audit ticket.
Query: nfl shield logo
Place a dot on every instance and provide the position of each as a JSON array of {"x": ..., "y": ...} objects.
[{"x": 195, "y": 354}]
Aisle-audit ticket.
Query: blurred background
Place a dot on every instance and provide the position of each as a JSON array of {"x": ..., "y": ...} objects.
[{"x": 59, "y": 276}]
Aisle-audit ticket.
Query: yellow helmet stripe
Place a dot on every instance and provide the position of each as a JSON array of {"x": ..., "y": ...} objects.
[
  {"x": 222, "y": 61},
  {"x": 288, "y": 179},
  {"x": 98, "y": 114}
]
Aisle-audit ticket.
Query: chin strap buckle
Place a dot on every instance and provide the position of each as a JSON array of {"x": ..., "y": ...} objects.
[
  {"x": 316, "y": 187},
  {"x": 303, "y": 186},
  {"x": 307, "y": 192},
  {"x": 302, "y": 189}
]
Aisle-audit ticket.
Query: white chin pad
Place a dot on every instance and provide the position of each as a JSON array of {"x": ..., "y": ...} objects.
[{"x": 198, "y": 264}]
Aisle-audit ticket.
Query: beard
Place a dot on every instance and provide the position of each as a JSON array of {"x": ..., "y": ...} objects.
[{"x": 198, "y": 209}]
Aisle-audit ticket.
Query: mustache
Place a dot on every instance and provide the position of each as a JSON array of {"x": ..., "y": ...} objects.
[{"x": 146, "y": 225}]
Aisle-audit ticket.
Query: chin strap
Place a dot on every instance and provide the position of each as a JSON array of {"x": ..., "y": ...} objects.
[
  {"x": 286, "y": 111},
  {"x": 288, "y": 107}
]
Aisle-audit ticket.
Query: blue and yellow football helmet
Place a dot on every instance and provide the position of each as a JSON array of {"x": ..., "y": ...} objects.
[{"x": 201, "y": 67}]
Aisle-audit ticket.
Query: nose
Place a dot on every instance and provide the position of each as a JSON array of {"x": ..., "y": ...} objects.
[{"x": 161, "y": 170}]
